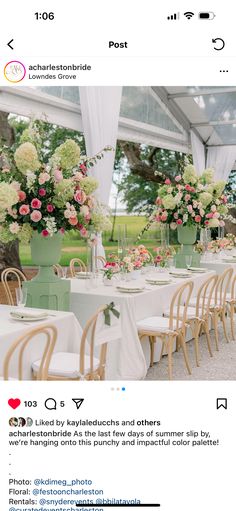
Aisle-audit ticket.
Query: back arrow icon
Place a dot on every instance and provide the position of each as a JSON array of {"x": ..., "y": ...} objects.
[
  {"x": 9, "y": 44},
  {"x": 221, "y": 44}
]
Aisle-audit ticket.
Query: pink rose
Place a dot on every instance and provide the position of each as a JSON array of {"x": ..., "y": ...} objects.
[
  {"x": 45, "y": 233},
  {"x": 176, "y": 216},
  {"x": 36, "y": 204},
  {"x": 187, "y": 188},
  {"x": 206, "y": 222},
  {"x": 62, "y": 230},
  {"x": 192, "y": 189},
  {"x": 73, "y": 220},
  {"x": 50, "y": 208},
  {"x": 190, "y": 208},
  {"x": 209, "y": 215},
  {"x": 80, "y": 196},
  {"x": 24, "y": 209},
  {"x": 42, "y": 192},
  {"x": 21, "y": 195},
  {"x": 167, "y": 182},
  {"x": 83, "y": 167},
  {"x": 158, "y": 201},
  {"x": 58, "y": 175},
  {"x": 83, "y": 232},
  {"x": 178, "y": 178},
  {"x": 179, "y": 221},
  {"x": 36, "y": 216},
  {"x": 164, "y": 217},
  {"x": 222, "y": 223},
  {"x": 197, "y": 218},
  {"x": 187, "y": 197}
]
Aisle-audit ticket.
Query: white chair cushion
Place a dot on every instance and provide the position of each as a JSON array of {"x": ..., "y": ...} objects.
[
  {"x": 9, "y": 379},
  {"x": 66, "y": 365},
  {"x": 191, "y": 312},
  {"x": 154, "y": 324}
]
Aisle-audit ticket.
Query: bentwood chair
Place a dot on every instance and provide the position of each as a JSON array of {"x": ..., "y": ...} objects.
[
  {"x": 48, "y": 337},
  {"x": 171, "y": 329},
  {"x": 218, "y": 304},
  {"x": 101, "y": 259},
  {"x": 231, "y": 305},
  {"x": 85, "y": 365},
  {"x": 58, "y": 270},
  {"x": 19, "y": 277},
  {"x": 81, "y": 266},
  {"x": 199, "y": 316}
]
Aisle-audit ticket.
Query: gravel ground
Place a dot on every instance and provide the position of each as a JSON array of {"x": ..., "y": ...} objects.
[{"x": 222, "y": 366}]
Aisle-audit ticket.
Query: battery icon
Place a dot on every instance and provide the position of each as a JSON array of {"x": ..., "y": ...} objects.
[{"x": 206, "y": 15}]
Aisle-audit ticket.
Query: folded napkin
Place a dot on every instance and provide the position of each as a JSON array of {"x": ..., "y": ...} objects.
[{"x": 21, "y": 314}]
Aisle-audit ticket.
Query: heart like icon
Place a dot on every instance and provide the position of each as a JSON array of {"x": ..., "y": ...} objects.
[{"x": 14, "y": 403}]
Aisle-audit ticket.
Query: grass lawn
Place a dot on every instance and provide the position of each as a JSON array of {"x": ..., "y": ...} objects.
[{"x": 75, "y": 247}]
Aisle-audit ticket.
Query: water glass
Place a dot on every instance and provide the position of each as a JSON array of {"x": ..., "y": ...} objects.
[
  {"x": 21, "y": 296},
  {"x": 188, "y": 261},
  {"x": 64, "y": 272}
]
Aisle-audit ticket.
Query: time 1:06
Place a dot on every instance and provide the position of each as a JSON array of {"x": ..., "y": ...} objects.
[{"x": 44, "y": 15}]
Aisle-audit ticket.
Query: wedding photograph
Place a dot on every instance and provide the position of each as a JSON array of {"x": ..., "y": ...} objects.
[{"x": 117, "y": 233}]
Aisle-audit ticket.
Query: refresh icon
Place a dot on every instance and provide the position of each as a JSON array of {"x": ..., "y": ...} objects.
[{"x": 219, "y": 43}]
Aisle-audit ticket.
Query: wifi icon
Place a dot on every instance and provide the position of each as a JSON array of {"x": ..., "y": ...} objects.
[{"x": 189, "y": 15}]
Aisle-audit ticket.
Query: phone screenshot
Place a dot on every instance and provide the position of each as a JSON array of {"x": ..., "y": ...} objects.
[{"x": 117, "y": 256}]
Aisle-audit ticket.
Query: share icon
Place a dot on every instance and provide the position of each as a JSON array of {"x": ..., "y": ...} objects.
[{"x": 78, "y": 402}]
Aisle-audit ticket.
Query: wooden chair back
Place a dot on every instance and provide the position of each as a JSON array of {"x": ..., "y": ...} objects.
[
  {"x": 101, "y": 259},
  {"x": 49, "y": 333},
  {"x": 233, "y": 288},
  {"x": 223, "y": 286},
  {"x": 19, "y": 275},
  {"x": 88, "y": 338},
  {"x": 204, "y": 296},
  {"x": 81, "y": 266},
  {"x": 58, "y": 270},
  {"x": 178, "y": 311}
]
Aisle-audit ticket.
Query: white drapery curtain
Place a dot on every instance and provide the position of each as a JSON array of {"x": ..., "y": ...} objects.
[
  {"x": 198, "y": 151},
  {"x": 100, "y": 108},
  {"x": 221, "y": 159}
]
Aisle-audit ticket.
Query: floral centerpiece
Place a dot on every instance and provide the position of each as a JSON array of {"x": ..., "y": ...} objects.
[
  {"x": 51, "y": 198},
  {"x": 111, "y": 267},
  {"x": 163, "y": 254},
  {"x": 191, "y": 200},
  {"x": 199, "y": 248},
  {"x": 217, "y": 245},
  {"x": 39, "y": 202}
]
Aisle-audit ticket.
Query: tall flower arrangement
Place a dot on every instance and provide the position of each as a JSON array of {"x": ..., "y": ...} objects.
[
  {"x": 191, "y": 200},
  {"x": 51, "y": 198}
]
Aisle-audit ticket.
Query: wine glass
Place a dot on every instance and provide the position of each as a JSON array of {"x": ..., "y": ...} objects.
[
  {"x": 64, "y": 272},
  {"x": 21, "y": 296},
  {"x": 188, "y": 261}
]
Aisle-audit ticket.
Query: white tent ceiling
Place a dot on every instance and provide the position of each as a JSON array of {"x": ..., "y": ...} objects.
[{"x": 158, "y": 116}]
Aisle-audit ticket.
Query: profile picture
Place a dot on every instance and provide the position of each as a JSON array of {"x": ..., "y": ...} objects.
[
  {"x": 21, "y": 422},
  {"x": 13, "y": 421},
  {"x": 29, "y": 421}
]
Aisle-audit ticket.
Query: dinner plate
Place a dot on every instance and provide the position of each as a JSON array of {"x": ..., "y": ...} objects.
[
  {"x": 28, "y": 318},
  {"x": 198, "y": 270},
  {"x": 158, "y": 282},
  {"x": 130, "y": 289},
  {"x": 180, "y": 273},
  {"x": 83, "y": 275}
]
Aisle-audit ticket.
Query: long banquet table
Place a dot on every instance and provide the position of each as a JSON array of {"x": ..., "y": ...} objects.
[
  {"x": 69, "y": 335},
  {"x": 127, "y": 358}
]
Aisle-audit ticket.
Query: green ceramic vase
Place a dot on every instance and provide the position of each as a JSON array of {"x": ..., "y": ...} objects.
[
  {"x": 187, "y": 236},
  {"x": 46, "y": 290}
]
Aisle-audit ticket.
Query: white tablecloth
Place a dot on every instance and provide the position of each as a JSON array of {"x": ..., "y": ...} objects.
[
  {"x": 127, "y": 359},
  {"x": 218, "y": 265},
  {"x": 69, "y": 335}
]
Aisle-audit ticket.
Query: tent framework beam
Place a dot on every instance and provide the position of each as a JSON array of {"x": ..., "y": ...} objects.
[
  {"x": 203, "y": 92},
  {"x": 230, "y": 122}
]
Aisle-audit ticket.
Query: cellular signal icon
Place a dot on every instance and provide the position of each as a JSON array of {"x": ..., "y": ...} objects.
[{"x": 174, "y": 16}]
